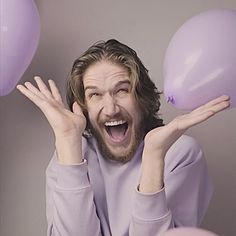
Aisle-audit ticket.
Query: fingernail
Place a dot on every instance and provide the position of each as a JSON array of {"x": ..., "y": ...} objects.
[{"x": 226, "y": 97}]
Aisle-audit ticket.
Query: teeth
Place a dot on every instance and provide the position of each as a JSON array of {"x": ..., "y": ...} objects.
[{"x": 114, "y": 123}]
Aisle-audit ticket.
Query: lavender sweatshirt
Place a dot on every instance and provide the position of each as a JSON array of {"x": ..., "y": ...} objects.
[{"x": 100, "y": 197}]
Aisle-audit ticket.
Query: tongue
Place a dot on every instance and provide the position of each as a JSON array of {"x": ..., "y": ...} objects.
[{"x": 117, "y": 132}]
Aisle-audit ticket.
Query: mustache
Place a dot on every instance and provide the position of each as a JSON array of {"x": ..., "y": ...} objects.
[{"x": 120, "y": 116}]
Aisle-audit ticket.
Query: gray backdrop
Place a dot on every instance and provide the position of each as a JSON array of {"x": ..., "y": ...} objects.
[{"x": 67, "y": 29}]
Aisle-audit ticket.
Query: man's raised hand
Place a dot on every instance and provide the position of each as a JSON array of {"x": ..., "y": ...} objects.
[
  {"x": 161, "y": 138},
  {"x": 62, "y": 120},
  {"x": 67, "y": 126}
]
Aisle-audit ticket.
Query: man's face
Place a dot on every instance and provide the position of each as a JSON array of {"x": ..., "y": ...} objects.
[{"x": 112, "y": 110}]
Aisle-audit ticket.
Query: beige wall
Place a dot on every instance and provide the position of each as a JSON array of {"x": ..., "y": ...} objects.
[{"x": 68, "y": 28}]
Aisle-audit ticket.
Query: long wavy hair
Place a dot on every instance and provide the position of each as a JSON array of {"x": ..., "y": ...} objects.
[{"x": 145, "y": 91}]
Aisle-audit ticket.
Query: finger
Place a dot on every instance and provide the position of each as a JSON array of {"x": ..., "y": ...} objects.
[
  {"x": 212, "y": 103},
  {"x": 34, "y": 90},
  {"x": 55, "y": 92},
  {"x": 42, "y": 87},
  {"x": 77, "y": 109},
  {"x": 187, "y": 121},
  {"x": 220, "y": 106},
  {"x": 29, "y": 94},
  {"x": 192, "y": 119}
]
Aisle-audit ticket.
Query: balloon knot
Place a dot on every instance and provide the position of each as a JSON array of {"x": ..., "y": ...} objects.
[{"x": 170, "y": 99}]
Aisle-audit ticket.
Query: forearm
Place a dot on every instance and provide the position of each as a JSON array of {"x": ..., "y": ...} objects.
[
  {"x": 151, "y": 215},
  {"x": 69, "y": 149},
  {"x": 183, "y": 200},
  {"x": 70, "y": 207},
  {"x": 74, "y": 213},
  {"x": 152, "y": 172}
]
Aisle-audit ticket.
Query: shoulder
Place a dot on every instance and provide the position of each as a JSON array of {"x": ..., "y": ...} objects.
[
  {"x": 185, "y": 144},
  {"x": 185, "y": 151}
]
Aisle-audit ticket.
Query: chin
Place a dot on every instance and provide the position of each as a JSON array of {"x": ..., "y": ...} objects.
[
  {"x": 117, "y": 153},
  {"x": 122, "y": 151},
  {"x": 123, "y": 156}
]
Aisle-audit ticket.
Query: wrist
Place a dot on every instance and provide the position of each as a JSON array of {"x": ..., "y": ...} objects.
[
  {"x": 152, "y": 154},
  {"x": 69, "y": 149},
  {"x": 69, "y": 134},
  {"x": 152, "y": 173}
]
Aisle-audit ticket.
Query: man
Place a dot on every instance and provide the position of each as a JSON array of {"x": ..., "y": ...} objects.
[{"x": 117, "y": 169}]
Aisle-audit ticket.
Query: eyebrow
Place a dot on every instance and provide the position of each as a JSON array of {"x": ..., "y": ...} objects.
[
  {"x": 116, "y": 85},
  {"x": 122, "y": 82}
]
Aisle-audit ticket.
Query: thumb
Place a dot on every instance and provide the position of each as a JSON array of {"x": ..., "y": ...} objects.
[{"x": 77, "y": 109}]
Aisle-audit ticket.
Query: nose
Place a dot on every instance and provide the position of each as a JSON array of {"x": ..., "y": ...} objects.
[{"x": 110, "y": 106}]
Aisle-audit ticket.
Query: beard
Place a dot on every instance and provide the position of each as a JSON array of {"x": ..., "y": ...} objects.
[{"x": 136, "y": 138}]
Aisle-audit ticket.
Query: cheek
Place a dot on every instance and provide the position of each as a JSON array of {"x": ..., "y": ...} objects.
[
  {"x": 93, "y": 112},
  {"x": 136, "y": 114},
  {"x": 132, "y": 107},
  {"x": 91, "y": 115}
]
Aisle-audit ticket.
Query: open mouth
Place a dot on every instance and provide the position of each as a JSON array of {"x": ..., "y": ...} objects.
[{"x": 117, "y": 130}]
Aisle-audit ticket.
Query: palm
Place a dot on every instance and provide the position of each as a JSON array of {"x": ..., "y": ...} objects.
[
  {"x": 62, "y": 120},
  {"x": 162, "y": 138}
]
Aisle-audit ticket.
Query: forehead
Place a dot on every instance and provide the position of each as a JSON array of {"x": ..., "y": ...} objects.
[{"x": 104, "y": 73}]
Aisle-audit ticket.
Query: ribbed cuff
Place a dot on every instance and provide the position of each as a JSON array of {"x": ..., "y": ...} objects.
[
  {"x": 151, "y": 206},
  {"x": 72, "y": 176}
]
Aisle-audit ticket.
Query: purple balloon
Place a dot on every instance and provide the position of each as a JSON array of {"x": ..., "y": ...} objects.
[
  {"x": 20, "y": 30},
  {"x": 200, "y": 61},
  {"x": 188, "y": 231}
]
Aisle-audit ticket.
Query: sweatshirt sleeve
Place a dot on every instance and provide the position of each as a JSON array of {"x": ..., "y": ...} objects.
[
  {"x": 70, "y": 207},
  {"x": 184, "y": 199}
]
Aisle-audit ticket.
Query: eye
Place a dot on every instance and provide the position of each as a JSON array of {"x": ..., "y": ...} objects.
[
  {"x": 123, "y": 91},
  {"x": 94, "y": 95}
]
